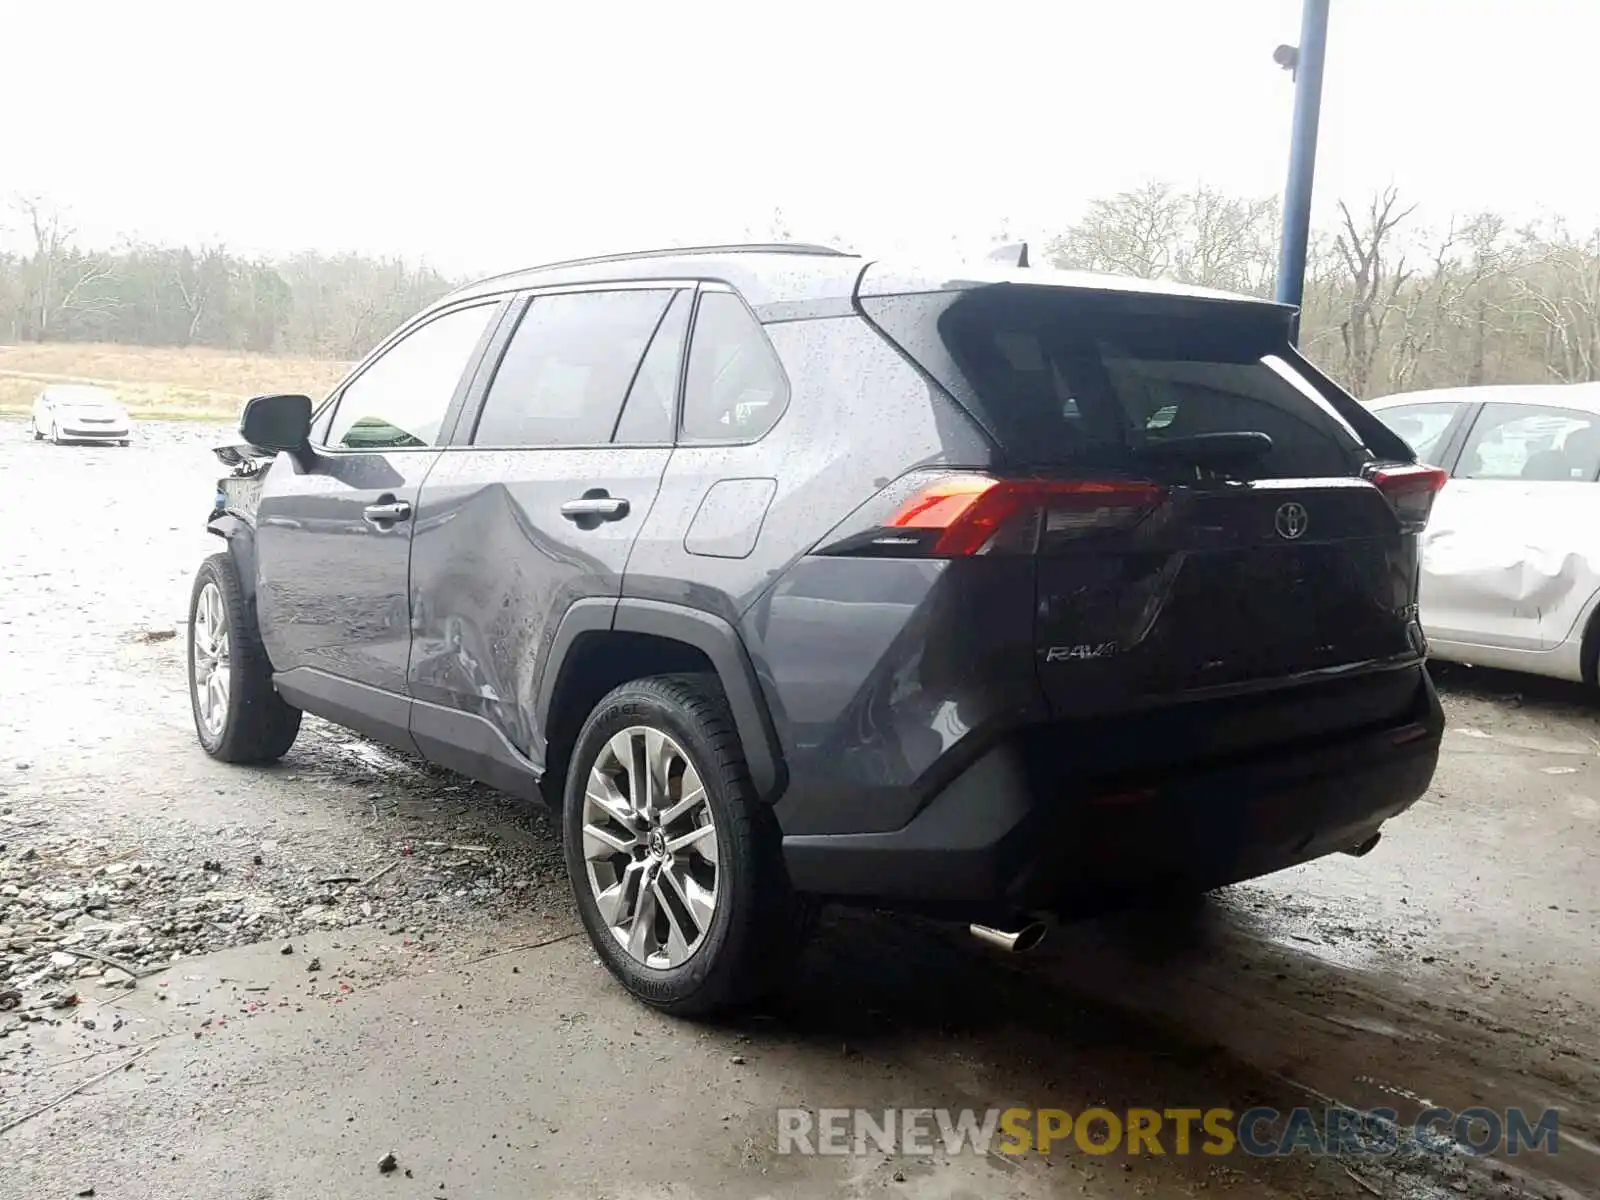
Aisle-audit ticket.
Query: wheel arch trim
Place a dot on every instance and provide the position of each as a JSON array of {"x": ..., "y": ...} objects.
[
  {"x": 240, "y": 537},
  {"x": 713, "y": 636}
]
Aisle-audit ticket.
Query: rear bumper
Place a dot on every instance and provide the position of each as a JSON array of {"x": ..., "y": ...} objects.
[{"x": 1016, "y": 833}]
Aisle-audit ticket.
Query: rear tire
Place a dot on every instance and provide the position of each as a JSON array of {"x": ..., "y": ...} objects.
[
  {"x": 680, "y": 885},
  {"x": 1589, "y": 652},
  {"x": 238, "y": 714}
]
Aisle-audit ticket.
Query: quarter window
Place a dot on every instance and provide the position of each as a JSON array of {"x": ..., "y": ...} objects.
[
  {"x": 736, "y": 389},
  {"x": 568, "y": 368},
  {"x": 1519, "y": 441},
  {"x": 399, "y": 402}
]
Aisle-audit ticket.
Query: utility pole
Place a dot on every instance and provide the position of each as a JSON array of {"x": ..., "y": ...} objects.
[{"x": 1305, "y": 60}]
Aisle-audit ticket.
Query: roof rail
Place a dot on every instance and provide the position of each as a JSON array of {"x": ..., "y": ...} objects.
[{"x": 679, "y": 251}]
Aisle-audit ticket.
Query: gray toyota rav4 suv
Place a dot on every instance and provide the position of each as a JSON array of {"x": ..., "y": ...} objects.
[{"x": 787, "y": 576}]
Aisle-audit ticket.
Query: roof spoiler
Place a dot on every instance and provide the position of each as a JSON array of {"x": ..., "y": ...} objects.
[{"x": 1014, "y": 254}]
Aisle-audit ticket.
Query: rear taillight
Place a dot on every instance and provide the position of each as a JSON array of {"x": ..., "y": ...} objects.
[
  {"x": 1410, "y": 491},
  {"x": 967, "y": 514}
]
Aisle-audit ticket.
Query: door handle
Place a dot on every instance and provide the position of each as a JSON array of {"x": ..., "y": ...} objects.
[
  {"x": 606, "y": 508},
  {"x": 386, "y": 512}
]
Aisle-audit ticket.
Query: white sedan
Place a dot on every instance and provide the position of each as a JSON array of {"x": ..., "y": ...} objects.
[
  {"x": 75, "y": 412},
  {"x": 1511, "y": 554}
]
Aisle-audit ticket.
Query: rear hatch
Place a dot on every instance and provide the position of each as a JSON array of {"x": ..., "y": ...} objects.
[{"x": 1207, "y": 514}]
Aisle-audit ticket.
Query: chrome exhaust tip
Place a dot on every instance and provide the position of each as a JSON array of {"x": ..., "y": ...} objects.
[
  {"x": 1362, "y": 849},
  {"x": 1024, "y": 939}
]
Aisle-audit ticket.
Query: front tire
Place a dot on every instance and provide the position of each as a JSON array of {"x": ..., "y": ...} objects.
[
  {"x": 675, "y": 862},
  {"x": 238, "y": 714},
  {"x": 33, "y": 428},
  {"x": 55, "y": 434}
]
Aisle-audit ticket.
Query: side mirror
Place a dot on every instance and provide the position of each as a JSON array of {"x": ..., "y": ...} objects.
[{"x": 275, "y": 423}]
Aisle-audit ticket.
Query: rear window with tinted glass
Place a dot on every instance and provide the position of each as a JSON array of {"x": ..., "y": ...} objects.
[{"x": 1057, "y": 375}]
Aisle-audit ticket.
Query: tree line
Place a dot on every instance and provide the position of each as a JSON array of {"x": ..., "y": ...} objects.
[
  {"x": 1390, "y": 305},
  {"x": 328, "y": 306}
]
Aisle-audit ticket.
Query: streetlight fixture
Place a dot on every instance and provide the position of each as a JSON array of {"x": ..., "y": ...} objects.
[{"x": 1305, "y": 61}]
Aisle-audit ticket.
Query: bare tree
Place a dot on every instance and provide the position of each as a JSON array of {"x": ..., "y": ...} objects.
[
  {"x": 51, "y": 237},
  {"x": 202, "y": 281},
  {"x": 1230, "y": 243},
  {"x": 1133, "y": 233},
  {"x": 60, "y": 279},
  {"x": 1423, "y": 312},
  {"x": 1373, "y": 288},
  {"x": 1487, "y": 258},
  {"x": 1560, "y": 286}
]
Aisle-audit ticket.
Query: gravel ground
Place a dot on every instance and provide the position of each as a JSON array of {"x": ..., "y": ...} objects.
[
  {"x": 93, "y": 861},
  {"x": 1454, "y": 965}
]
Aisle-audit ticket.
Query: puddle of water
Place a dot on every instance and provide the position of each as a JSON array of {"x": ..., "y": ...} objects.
[
  {"x": 376, "y": 758},
  {"x": 1586, "y": 807},
  {"x": 1372, "y": 1025},
  {"x": 1395, "y": 1090},
  {"x": 1531, "y": 741},
  {"x": 1351, "y": 956}
]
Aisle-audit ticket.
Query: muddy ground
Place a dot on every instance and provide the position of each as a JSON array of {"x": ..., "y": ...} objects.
[{"x": 351, "y": 954}]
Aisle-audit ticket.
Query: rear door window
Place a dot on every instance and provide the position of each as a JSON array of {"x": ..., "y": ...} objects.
[
  {"x": 1423, "y": 426},
  {"x": 568, "y": 367},
  {"x": 649, "y": 415},
  {"x": 1061, "y": 376},
  {"x": 1532, "y": 443}
]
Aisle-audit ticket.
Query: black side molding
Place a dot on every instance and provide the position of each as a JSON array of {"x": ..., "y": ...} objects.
[
  {"x": 240, "y": 536},
  {"x": 380, "y": 715},
  {"x": 467, "y": 743}
]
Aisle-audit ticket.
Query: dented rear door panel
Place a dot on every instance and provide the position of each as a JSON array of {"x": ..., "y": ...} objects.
[{"x": 1511, "y": 564}]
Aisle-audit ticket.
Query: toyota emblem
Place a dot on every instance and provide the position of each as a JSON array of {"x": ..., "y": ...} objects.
[{"x": 1291, "y": 521}]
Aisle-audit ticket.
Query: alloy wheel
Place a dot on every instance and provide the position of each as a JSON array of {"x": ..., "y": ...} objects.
[
  {"x": 210, "y": 673},
  {"x": 650, "y": 847}
]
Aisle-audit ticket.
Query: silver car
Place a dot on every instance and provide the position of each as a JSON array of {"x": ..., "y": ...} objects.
[
  {"x": 1511, "y": 554},
  {"x": 77, "y": 412}
]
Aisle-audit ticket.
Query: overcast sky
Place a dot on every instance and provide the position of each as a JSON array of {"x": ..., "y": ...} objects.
[{"x": 485, "y": 134}]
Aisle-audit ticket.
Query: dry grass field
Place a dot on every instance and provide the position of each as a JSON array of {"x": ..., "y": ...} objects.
[{"x": 161, "y": 381}]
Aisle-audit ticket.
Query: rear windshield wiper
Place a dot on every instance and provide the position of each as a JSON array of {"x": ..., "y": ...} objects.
[{"x": 1206, "y": 448}]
